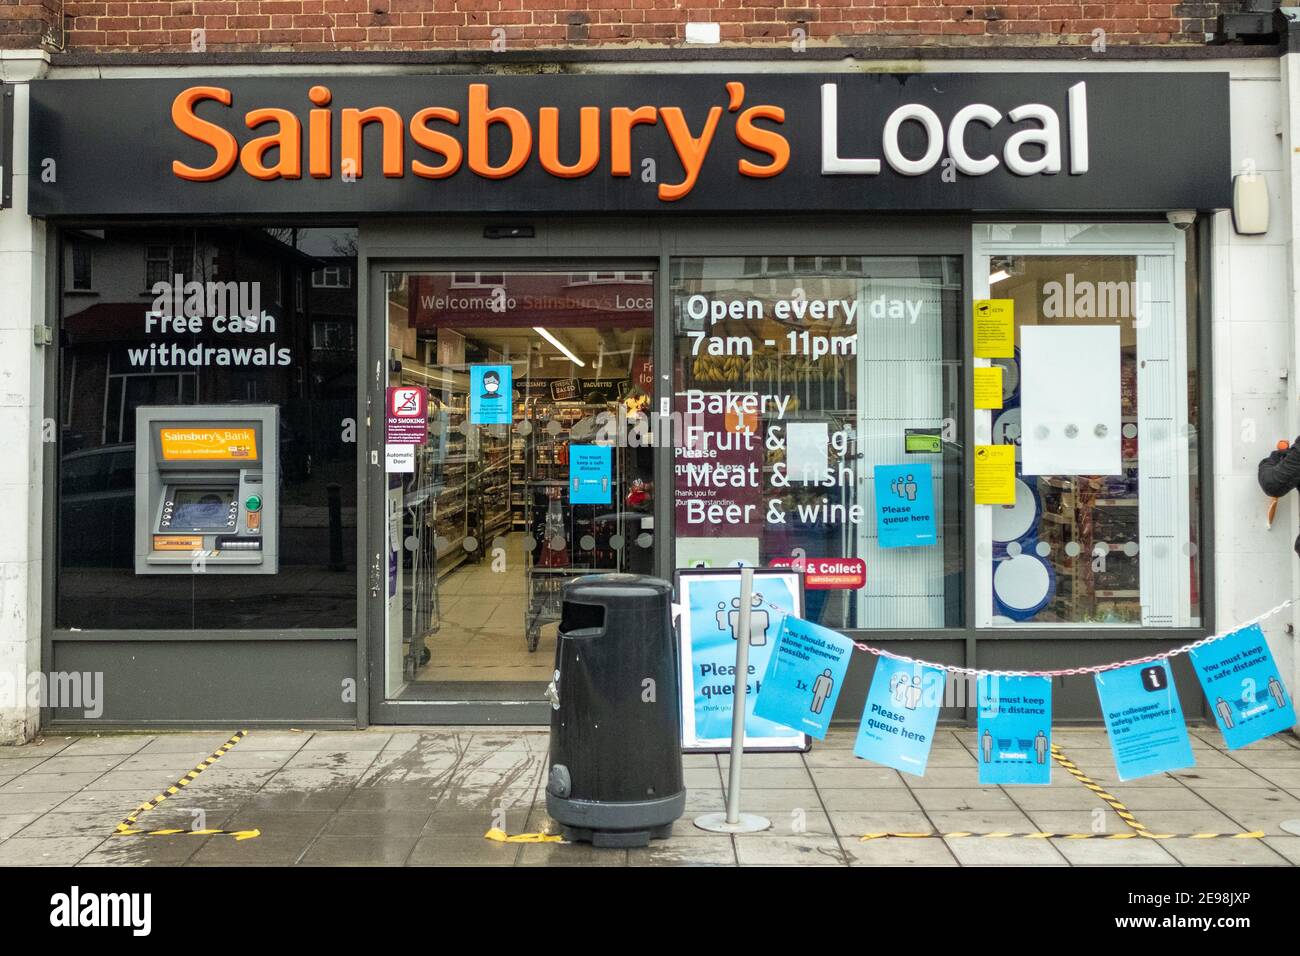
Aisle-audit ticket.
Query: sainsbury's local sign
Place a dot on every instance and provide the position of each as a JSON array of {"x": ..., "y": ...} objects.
[{"x": 765, "y": 142}]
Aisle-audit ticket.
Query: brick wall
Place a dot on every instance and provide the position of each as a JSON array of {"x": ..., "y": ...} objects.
[
  {"x": 22, "y": 25},
  {"x": 320, "y": 25}
]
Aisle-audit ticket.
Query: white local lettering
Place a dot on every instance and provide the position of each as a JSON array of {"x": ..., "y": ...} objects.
[{"x": 1045, "y": 136}]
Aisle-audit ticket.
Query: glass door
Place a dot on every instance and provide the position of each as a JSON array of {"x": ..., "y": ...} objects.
[{"x": 512, "y": 407}]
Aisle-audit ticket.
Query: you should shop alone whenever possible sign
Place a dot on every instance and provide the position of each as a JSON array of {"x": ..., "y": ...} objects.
[{"x": 1067, "y": 141}]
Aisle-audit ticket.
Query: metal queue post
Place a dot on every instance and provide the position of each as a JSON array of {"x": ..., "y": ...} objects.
[{"x": 733, "y": 821}]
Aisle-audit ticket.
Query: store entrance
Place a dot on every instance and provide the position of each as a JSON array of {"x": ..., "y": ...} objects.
[{"x": 509, "y": 404}]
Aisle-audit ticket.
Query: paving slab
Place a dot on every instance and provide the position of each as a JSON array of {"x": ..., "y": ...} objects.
[
  {"x": 271, "y": 740},
  {"x": 770, "y": 800},
  {"x": 348, "y": 740},
  {"x": 116, "y": 744},
  {"x": 569, "y": 854},
  {"x": 1206, "y": 777},
  {"x": 363, "y": 823},
  {"x": 242, "y": 759},
  {"x": 1270, "y": 759},
  {"x": 980, "y": 821},
  {"x": 898, "y": 852},
  {"x": 462, "y": 851},
  {"x": 140, "y": 783},
  {"x": 390, "y": 849},
  {"x": 41, "y": 747},
  {"x": 1135, "y": 852},
  {"x": 763, "y": 850},
  {"x": 11, "y": 823},
  {"x": 976, "y": 851},
  {"x": 186, "y": 743},
  {"x": 764, "y": 778},
  {"x": 11, "y": 803},
  {"x": 1220, "y": 853},
  {"x": 169, "y": 761},
  {"x": 50, "y": 782},
  {"x": 1059, "y": 798},
  {"x": 47, "y": 851},
  {"x": 850, "y": 825},
  {"x": 865, "y": 801},
  {"x": 409, "y": 799},
  {"x": 146, "y": 851},
  {"x": 91, "y": 823},
  {"x": 704, "y": 850},
  {"x": 970, "y": 798},
  {"x": 17, "y": 765},
  {"x": 86, "y": 763},
  {"x": 1287, "y": 846},
  {"x": 861, "y": 776}
]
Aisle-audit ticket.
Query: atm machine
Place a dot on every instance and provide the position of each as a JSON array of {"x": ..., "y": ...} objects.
[{"x": 207, "y": 489}]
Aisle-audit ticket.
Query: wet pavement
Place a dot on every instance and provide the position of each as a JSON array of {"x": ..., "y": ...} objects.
[{"x": 426, "y": 797}]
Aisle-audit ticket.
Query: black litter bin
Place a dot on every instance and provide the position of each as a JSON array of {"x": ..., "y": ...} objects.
[{"x": 616, "y": 758}]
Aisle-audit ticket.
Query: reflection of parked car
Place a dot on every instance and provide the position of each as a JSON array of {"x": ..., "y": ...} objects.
[{"x": 97, "y": 517}]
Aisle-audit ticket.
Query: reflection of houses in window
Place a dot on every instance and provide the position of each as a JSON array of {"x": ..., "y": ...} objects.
[
  {"x": 335, "y": 276},
  {"x": 162, "y": 263},
  {"x": 108, "y": 369},
  {"x": 477, "y": 280},
  {"x": 635, "y": 277},
  {"x": 333, "y": 336},
  {"x": 767, "y": 266},
  {"x": 128, "y": 388},
  {"x": 81, "y": 274}
]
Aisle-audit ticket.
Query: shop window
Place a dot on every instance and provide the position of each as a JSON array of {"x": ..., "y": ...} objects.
[
  {"x": 816, "y": 409},
  {"x": 116, "y": 357},
  {"x": 1100, "y": 401}
]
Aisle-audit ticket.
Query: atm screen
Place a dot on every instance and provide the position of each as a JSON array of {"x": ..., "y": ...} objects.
[{"x": 202, "y": 509}]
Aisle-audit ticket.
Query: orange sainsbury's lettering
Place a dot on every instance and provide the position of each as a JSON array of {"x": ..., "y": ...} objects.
[
  {"x": 438, "y": 142},
  {"x": 318, "y": 133},
  {"x": 287, "y": 141},
  {"x": 481, "y": 118},
  {"x": 350, "y": 149},
  {"x": 763, "y": 140},
  {"x": 222, "y": 142},
  {"x": 548, "y": 142},
  {"x": 621, "y": 121},
  {"x": 443, "y": 144},
  {"x": 691, "y": 150}
]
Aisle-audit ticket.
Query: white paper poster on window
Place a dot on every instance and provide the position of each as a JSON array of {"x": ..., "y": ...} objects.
[
  {"x": 1070, "y": 400},
  {"x": 806, "y": 449}
]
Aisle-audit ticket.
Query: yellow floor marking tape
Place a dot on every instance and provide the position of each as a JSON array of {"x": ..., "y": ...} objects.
[
  {"x": 500, "y": 836},
  {"x": 1123, "y": 812},
  {"x": 128, "y": 828}
]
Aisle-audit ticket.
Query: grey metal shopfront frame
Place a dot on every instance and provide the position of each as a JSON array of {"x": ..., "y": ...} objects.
[
  {"x": 562, "y": 243},
  {"x": 184, "y": 656}
]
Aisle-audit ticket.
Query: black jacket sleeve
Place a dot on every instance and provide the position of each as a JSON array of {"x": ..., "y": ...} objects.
[{"x": 1280, "y": 471}]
